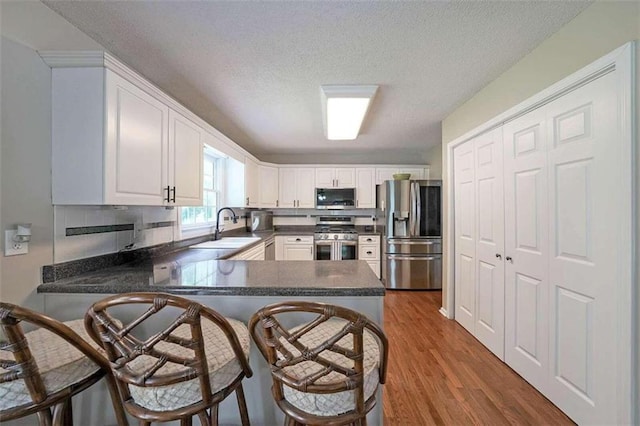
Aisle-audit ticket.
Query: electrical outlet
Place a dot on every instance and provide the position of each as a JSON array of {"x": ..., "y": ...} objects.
[{"x": 12, "y": 248}]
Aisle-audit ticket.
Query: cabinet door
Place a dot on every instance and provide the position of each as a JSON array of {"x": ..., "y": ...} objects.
[
  {"x": 251, "y": 184},
  {"x": 136, "y": 149},
  {"x": 268, "y": 183},
  {"x": 306, "y": 187},
  {"x": 298, "y": 252},
  {"x": 465, "y": 235},
  {"x": 186, "y": 151},
  {"x": 325, "y": 177},
  {"x": 489, "y": 216},
  {"x": 287, "y": 194},
  {"x": 365, "y": 188},
  {"x": 345, "y": 177},
  {"x": 383, "y": 174}
]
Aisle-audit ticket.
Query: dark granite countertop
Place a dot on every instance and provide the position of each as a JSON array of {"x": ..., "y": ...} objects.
[
  {"x": 197, "y": 272},
  {"x": 207, "y": 272}
]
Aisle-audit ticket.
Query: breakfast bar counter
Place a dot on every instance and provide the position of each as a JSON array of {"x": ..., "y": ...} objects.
[{"x": 236, "y": 289}]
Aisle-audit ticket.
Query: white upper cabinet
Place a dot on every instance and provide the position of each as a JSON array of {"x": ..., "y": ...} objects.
[
  {"x": 268, "y": 186},
  {"x": 136, "y": 150},
  {"x": 114, "y": 143},
  {"x": 187, "y": 150},
  {"x": 251, "y": 183},
  {"x": 365, "y": 188},
  {"x": 386, "y": 172},
  {"x": 297, "y": 187},
  {"x": 335, "y": 177}
]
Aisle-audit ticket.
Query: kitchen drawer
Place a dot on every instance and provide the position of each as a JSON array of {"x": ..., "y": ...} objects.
[
  {"x": 369, "y": 252},
  {"x": 375, "y": 266},
  {"x": 369, "y": 239},
  {"x": 298, "y": 239}
]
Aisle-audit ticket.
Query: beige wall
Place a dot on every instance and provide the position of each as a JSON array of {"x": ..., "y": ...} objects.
[
  {"x": 25, "y": 88},
  {"x": 598, "y": 30},
  {"x": 25, "y": 138}
]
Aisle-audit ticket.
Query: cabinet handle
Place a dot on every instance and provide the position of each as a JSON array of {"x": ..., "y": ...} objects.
[
  {"x": 247, "y": 200},
  {"x": 168, "y": 189},
  {"x": 173, "y": 199},
  {"x": 277, "y": 202},
  {"x": 298, "y": 239},
  {"x": 509, "y": 258},
  {"x": 499, "y": 256},
  {"x": 369, "y": 252},
  {"x": 369, "y": 240}
]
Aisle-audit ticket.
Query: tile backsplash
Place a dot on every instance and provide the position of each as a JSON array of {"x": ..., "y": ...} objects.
[{"x": 87, "y": 231}]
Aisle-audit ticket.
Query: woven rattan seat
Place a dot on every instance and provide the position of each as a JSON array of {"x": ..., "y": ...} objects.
[
  {"x": 185, "y": 369},
  {"x": 325, "y": 371},
  {"x": 45, "y": 367}
]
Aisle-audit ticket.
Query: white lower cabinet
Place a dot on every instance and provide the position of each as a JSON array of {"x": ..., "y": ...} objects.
[
  {"x": 294, "y": 247},
  {"x": 369, "y": 250},
  {"x": 537, "y": 279}
]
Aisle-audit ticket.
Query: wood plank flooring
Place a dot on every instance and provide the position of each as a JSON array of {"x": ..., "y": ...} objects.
[{"x": 439, "y": 374}]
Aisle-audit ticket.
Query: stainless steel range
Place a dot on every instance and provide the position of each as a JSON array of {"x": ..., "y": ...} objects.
[{"x": 336, "y": 238}]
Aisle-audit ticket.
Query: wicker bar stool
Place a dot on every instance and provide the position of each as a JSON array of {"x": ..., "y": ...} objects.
[
  {"x": 185, "y": 369},
  {"x": 44, "y": 368},
  {"x": 326, "y": 371}
]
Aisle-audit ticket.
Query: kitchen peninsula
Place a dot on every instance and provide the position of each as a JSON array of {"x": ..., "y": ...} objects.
[{"x": 236, "y": 289}]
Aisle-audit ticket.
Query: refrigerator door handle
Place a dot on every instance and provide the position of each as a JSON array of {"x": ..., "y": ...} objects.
[
  {"x": 418, "y": 201},
  {"x": 412, "y": 211}
]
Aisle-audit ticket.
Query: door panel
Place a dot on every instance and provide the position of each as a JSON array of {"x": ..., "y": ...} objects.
[
  {"x": 489, "y": 216},
  {"x": 465, "y": 235},
  {"x": 526, "y": 243},
  {"x": 584, "y": 197}
]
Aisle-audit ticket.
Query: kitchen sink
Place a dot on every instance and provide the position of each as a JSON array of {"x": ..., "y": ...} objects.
[{"x": 227, "y": 243}]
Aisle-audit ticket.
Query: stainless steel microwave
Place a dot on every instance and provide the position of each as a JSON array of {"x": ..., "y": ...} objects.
[{"x": 335, "y": 198}]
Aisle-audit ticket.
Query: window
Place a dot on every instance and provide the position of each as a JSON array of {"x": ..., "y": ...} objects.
[{"x": 205, "y": 215}]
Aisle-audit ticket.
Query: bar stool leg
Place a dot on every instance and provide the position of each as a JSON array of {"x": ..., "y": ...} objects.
[
  {"x": 186, "y": 421},
  {"x": 214, "y": 415},
  {"x": 44, "y": 417},
  {"x": 242, "y": 405},
  {"x": 204, "y": 418}
]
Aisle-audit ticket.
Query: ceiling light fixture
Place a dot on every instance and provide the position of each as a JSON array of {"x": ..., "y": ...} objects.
[{"x": 344, "y": 109}]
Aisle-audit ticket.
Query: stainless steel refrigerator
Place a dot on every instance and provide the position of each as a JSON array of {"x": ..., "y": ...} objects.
[{"x": 412, "y": 246}]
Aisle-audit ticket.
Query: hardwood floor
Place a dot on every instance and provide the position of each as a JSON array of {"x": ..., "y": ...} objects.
[{"x": 439, "y": 374}]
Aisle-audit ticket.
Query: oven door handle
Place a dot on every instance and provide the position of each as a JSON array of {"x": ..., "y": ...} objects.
[{"x": 401, "y": 257}]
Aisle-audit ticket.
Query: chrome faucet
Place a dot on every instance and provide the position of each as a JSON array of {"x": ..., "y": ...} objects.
[{"x": 234, "y": 218}]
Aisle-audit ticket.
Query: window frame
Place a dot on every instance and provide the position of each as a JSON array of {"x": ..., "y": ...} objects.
[{"x": 219, "y": 169}]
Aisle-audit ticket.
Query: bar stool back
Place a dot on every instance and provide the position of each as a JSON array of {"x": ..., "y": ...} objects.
[
  {"x": 326, "y": 371},
  {"x": 44, "y": 368},
  {"x": 183, "y": 370}
]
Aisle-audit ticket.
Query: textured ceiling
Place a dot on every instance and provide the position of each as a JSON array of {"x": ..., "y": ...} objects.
[{"x": 254, "y": 69}]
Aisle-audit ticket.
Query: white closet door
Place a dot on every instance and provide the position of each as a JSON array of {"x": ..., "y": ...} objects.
[
  {"x": 465, "y": 235},
  {"x": 583, "y": 198},
  {"x": 526, "y": 247},
  {"x": 489, "y": 269}
]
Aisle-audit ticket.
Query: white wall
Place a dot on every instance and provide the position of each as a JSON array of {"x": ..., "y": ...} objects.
[
  {"x": 25, "y": 87},
  {"x": 601, "y": 28}
]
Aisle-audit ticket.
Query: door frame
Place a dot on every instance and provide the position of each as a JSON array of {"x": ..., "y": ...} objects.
[{"x": 622, "y": 62}]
